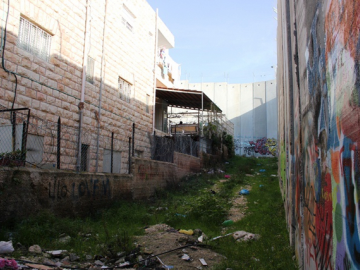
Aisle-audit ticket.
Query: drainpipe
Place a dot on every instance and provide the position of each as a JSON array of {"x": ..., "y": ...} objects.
[
  {"x": 102, "y": 79},
  {"x": 155, "y": 58},
  {"x": 82, "y": 98}
]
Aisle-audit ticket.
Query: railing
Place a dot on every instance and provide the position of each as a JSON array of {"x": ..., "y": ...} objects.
[
  {"x": 32, "y": 141},
  {"x": 163, "y": 148},
  {"x": 14, "y": 124}
]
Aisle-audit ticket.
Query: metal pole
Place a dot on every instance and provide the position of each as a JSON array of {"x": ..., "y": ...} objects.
[
  {"x": 58, "y": 143},
  {"x": 112, "y": 153},
  {"x": 155, "y": 58},
  {"x": 133, "y": 139},
  {"x": 13, "y": 122},
  {"x": 23, "y": 142},
  {"x": 82, "y": 97},
  {"x": 102, "y": 79},
  {"x": 129, "y": 155}
]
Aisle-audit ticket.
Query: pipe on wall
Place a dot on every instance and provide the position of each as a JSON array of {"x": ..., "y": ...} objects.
[{"x": 82, "y": 97}]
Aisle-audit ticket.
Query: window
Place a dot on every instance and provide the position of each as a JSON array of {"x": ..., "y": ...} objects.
[
  {"x": 90, "y": 66},
  {"x": 124, "y": 90},
  {"x": 128, "y": 19},
  {"x": 34, "y": 39}
]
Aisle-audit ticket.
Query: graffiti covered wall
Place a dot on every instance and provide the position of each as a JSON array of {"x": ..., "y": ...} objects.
[{"x": 319, "y": 129}]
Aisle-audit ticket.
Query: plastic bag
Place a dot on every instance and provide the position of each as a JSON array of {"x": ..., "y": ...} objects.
[{"x": 6, "y": 247}]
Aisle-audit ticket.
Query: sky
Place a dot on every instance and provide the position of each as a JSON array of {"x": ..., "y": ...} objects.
[{"x": 230, "y": 41}]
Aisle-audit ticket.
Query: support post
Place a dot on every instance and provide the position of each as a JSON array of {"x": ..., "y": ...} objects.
[
  {"x": 58, "y": 145},
  {"x": 112, "y": 153}
]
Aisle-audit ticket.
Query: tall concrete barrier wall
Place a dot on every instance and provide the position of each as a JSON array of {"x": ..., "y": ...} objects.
[
  {"x": 318, "y": 85},
  {"x": 252, "y": 108}
]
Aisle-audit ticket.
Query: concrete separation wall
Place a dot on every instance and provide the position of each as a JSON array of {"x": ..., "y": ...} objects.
[
  {"x": 319, "y": 129},
  {"x": 26, "y": 191}
]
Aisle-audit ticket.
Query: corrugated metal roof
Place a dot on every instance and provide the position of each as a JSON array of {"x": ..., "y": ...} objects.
[{"x": 187, "y": 99}]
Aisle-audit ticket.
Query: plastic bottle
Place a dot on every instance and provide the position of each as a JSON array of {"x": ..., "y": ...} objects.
[{"x": 228, "y": 222}]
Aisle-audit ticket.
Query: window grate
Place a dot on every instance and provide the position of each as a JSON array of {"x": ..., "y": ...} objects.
[
  {"x": 34, "y": 39},
  {"x": 124, "y": 90}
]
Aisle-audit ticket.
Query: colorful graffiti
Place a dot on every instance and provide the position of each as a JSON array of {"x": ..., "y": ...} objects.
[
  {"x": 264, "y": 146},
  {"x": 320, "y": 156}
]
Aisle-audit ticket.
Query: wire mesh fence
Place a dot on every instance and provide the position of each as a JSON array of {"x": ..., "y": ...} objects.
[
  {"x": 30, "y": 140},
  {"x": 13, "y": 136},
  {"x": 163, "y": 148}
]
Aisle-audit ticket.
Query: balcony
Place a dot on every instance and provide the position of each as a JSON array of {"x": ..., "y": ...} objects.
[{"x": 167, "y": 71}]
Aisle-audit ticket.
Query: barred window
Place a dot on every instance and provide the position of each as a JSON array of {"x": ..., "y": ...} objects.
[
  {"x": 34, "y": 39},
  {"x": 90, "y": 67},
  {"x": 124, "y": 88},
  {"x": 128, "y": 19}
]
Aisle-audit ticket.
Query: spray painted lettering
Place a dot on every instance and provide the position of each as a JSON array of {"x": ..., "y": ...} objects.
[{"x": 59, "y": 189}]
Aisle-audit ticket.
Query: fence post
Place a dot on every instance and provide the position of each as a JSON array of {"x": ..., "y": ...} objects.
[
  {"x": 13, "y": 122},
  {"x": 58, "y": 145},
  {"x": 112, "y": 153},
  {"x": 129, "y": 155},
  {"x": 23, "y": 142},
  {"x": 133, "y": 139}
]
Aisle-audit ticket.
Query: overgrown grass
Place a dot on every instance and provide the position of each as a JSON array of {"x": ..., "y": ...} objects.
[{"x": 188, "y": 205}]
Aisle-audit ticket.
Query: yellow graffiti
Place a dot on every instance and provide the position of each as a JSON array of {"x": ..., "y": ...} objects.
[{"x": 271, "y": 144}]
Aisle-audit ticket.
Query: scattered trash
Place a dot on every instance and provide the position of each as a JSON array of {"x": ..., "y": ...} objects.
[
  {"x": 255, "y": 259},
  {"x": 188, "y": 232},
  {"x": 203, "y": 262},
  {"x": 124, "y": 264},
  {"x": 201, "y": 239},
  {"x": 261, "y": 186},
  {"x": 226, "y": 162},
  {"x": 6, "y": 247},
  {"x": 228, "y": 222},
  {"x": 249, "y": 175},
  {"x": 227, "y": 176},
  {"x": 220, "y": 171},
  {"x": 273, "y": 175},
  {"x": 258, "y": 164},
  {"x": 262, "y": 170},
  {"x": 211, "y": 172},
  {"x": 35, "y": 249},
  {"x": 213, "y": 192},
  {"x": 245, "y": 236},
  {"x": 8, "y": 264},
  {"x": 221, "y": 236},
  {"x": 180, "y": 215},
  {"x": 244, "y": 192},
  {"x": 166, "y": 266},
  {"x": 39, "y": 266},
  {"x": 56, "y": 253},
  {"x": 185, "y": 257},
  {"x": 161, "y": 208}
]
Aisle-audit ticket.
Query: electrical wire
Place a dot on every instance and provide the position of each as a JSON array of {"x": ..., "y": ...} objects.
[{"x": 3, "y": 59}]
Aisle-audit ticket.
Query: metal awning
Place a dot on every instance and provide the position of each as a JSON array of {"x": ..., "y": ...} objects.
[{"x": 186, "y": 99}]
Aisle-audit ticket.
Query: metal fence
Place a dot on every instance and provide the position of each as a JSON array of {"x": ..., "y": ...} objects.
[
  {"x": 163, "y": 148},
  {"x": 30, "y": 140},
  {"x": 13, "y": 136}
]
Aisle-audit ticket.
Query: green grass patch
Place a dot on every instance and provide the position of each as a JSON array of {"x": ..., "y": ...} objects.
[{"x": 187, "y": 205}]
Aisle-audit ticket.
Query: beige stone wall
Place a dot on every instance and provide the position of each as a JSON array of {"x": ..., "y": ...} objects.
[{"x": 52, "y": 89}]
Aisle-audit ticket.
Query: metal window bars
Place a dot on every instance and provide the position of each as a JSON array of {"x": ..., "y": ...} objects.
[{"x": 34, "y": 39}]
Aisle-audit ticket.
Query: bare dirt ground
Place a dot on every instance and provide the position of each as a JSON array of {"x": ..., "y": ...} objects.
[{"x": 161, "y": 238}]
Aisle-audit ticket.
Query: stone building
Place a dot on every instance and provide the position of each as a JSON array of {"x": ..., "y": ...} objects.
[{"x": 95, "y": 65}]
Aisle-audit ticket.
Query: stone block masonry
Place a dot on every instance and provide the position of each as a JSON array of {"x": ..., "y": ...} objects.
[
  {"x": 26, "y": 191},
  {"x": 52, "y": 88}
]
